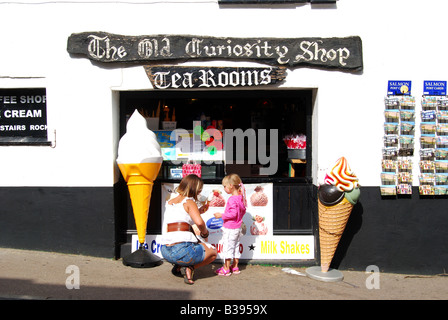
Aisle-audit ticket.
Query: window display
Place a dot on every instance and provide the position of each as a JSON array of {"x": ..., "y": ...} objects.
[{"x": 262, "y": 117}]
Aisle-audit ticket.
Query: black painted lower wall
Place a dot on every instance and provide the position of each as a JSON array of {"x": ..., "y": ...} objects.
[
  {"x": 67, "y": 220},
  {"x": 407, "y": 234},
  {"x": 402, "y": 235}
]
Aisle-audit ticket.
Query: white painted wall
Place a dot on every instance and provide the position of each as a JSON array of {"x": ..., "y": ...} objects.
[{"x": 402, "y": 40}]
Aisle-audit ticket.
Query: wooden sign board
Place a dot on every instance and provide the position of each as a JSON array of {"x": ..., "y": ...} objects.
[
  {"x": 328, "y": 53},
  {"x": 177, "y": 77}
]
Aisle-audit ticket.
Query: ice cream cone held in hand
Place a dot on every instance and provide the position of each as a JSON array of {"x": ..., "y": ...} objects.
[
  {"x": 337, "y": 196},
  {"x": 139, "y": 160}
]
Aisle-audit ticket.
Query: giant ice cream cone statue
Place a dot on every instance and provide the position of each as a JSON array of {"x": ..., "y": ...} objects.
[
  {"x": 140, "y": 179},
  {"x": 332, "y": 222},
  {"x": 336, "y": 198},
  {"x": 139, "y": 160}
]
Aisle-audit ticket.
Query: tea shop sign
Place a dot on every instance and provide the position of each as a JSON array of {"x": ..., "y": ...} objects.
[
  {"x": 177, "y": 77},
  {"x": 328, "y": 53}
]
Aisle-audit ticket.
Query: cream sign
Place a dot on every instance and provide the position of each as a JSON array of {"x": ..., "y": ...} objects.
[{"x": 258, "y": 241}]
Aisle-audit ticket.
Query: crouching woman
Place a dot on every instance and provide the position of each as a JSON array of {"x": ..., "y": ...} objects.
[{"x": 179, "y": 243}]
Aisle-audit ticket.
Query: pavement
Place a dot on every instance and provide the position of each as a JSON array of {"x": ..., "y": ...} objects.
[{"x": 36, "y": 275}]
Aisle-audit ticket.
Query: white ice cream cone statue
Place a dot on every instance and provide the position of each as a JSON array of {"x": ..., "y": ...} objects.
[{"x": 139, "y": 160}]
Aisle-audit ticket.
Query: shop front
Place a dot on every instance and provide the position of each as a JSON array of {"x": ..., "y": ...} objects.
[
  {"x": 279, "y": 223},
  {"x": 226, "y": 119},
  {"x": 278, "y": 102}
]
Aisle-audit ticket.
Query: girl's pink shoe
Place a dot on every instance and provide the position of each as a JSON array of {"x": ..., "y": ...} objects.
[
  {"x": 235, "y": 270},
  {"x": 223, "y": 272}
]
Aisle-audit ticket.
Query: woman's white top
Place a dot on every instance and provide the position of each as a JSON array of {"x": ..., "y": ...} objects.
[{"x": 176, "y": 213}]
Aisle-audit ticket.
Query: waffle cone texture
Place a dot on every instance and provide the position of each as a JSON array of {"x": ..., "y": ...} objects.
[{"x": 332, "y": 222}]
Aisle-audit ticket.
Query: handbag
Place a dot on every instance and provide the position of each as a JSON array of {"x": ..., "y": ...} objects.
[{"x": 191, "y": 168}]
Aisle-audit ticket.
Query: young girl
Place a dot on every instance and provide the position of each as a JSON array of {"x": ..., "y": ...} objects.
[{"x": 232, "y": 218}]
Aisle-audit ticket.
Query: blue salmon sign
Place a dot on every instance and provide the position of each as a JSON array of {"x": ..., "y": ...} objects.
[
  {"x": 399, "y": 87},
  {"x": 434, "y": 88}
]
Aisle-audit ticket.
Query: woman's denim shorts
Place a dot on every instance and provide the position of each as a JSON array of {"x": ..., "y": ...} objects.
[{"x": 184, "y": 253}]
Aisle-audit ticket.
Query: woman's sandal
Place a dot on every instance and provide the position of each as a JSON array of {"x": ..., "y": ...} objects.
[
  {"x": 184, "y": 273},
  {"x": 176, "y": 270}
]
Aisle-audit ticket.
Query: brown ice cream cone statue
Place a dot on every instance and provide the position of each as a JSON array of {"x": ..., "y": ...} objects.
[
  {"x": 140, "y": 180},
  {"x": 332, "y": 222},
  {"x": 336, "y": 198}
]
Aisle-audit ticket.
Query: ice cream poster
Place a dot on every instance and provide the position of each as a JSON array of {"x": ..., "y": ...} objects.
[
  {"x": 258, "y": 218},
  {"x": 258, "y": 241}
]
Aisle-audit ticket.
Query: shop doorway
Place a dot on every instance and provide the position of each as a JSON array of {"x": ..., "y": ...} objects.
[{"x": 289, "y": 112}]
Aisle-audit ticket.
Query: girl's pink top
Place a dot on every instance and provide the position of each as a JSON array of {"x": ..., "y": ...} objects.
[{"x": 234, "y": 212}]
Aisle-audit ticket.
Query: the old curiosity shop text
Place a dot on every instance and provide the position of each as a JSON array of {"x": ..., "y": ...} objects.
[{"x": 331, "y": 53}]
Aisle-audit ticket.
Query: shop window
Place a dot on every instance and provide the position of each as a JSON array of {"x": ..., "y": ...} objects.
[
  {"x": 23, "y": 116},
  {"x": 285, "y": 111},
  {"x": 270, "y": 115}
]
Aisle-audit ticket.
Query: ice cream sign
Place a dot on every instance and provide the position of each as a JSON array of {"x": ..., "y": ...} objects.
[
  {"x": 259, "y": 241},
  {"x": 23, "y": 115}
]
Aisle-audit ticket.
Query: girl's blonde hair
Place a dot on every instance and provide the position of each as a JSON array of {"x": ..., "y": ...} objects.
[
  {"x": 190, "y": 186},
  {"x": 232, "y": 179},
  {"x": 235, "y": 180}
]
